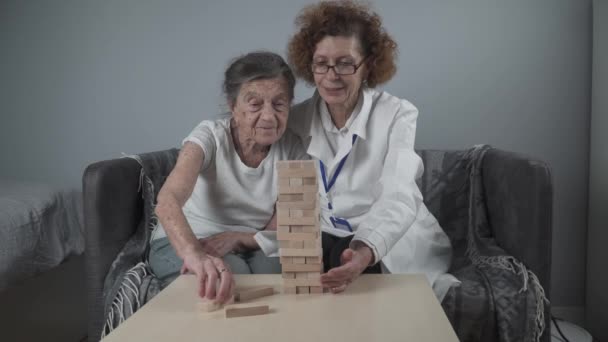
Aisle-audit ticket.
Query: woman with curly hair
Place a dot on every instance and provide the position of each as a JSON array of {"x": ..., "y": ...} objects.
[{"x": 372, "y": 212}]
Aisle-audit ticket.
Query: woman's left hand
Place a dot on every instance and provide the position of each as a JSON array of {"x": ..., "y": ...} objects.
[
  {"x": 228, "y": 242},
  {"x": 354, "y": 262}
]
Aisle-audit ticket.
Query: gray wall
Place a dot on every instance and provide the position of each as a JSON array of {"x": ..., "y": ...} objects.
[
  {"x": 597, "y": 254},
  {"x": 83, "y": 81}
]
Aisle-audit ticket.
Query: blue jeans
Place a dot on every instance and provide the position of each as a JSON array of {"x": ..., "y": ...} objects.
[{"x": 166, "y": 264}]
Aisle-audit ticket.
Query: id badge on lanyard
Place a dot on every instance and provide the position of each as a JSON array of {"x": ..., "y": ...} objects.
[{"x": 337, "y": 222}]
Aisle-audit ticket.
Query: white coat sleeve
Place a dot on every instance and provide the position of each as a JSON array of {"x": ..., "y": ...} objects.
[{"x": 396, "y": 208}]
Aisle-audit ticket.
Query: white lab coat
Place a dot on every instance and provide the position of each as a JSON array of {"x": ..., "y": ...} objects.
[{"x": 376, "y": 190}]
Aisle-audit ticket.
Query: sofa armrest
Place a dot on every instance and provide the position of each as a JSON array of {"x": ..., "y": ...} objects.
[
  {"x": 519, "y": 197},
  {"x": 112, "y": 210}
]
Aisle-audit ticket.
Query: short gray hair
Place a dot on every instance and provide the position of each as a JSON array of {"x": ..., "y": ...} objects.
[{"x": 259, "y": 65}]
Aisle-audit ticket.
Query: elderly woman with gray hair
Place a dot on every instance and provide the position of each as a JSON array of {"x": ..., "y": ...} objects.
[{"x": 220, "y": 196}]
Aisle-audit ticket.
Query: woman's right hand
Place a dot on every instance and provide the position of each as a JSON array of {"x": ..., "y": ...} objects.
[{"x": 209, "y": 270}]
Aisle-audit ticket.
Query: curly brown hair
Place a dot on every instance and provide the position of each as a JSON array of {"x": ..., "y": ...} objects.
[{"x": 343, "y": 18}]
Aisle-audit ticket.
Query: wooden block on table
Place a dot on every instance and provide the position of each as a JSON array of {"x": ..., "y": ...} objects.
[
  {"x": 299, "y": 260},
  {"x": 250, "y": 294},
  {"x": 294, "y": 252},
  {"x": 316, "y": 289},
  {"x": 207, "y": 305},
  {"x": 302, "y": 267},
  {"x": 303, "y": 289},
  {"x": 245, "y": 310},
  {"x": 302, "y": 282}
]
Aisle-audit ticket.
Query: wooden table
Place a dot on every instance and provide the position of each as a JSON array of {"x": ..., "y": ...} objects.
[{"x": 373, "y": 308}]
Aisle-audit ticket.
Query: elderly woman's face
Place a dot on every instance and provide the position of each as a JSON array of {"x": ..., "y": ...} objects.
[
  {"x": 335, "y": 89},
  {"x": 261, "y": 110}
]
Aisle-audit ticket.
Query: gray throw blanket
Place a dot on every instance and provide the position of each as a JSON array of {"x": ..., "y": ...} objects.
[{"x": 492, "y": 281}]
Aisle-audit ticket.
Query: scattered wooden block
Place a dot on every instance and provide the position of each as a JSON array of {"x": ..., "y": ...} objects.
[
  {"x": 232, "y": 311},
  {"x": 207, "y": 305},
  {"x": 250, "y": 294}
]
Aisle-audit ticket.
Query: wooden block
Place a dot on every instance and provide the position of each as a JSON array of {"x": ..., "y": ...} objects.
[
  {"x": 301, "y": 275},
  {"x": 291, "y": 197},
  {"x": 309, "y": 165},
  {"x": 316, "y": 289},
  {"x": 302, "y": 282},
  {"x": 311, "y": 275},
  {"x": 293, "y": 181},
  {"x": 297, "y": 205},
  {"x": 293, "y": 173},
  {"x": 281, "y": 235},
  {"x": 308, "y": 181},
  {"x": 207, "y": 305},
  {"x": 311, "y": 244},
  {"x": 302, "y": 268},
  {"x": 288, "y": 275},
  {"x": 303, "y": 289},
  {"x": 282, "y": 164},
  {"x": 298, "y": 221},
  {"x": 289, "y": 289},
  {"x": 298, "y": 189},
  {"x": 245, "y": 310},
  {"x": 295, "y": 164},
  {"x": 290, "y": 244},
  {"x": 294, "y": 252},
  {"x": 250, "y": 294},
  {"x": 284, "y": 229},
  {"x": 314, "y": 260},
  {"x": 286, "y": 260},
  {"x": 305, "y": 229},
  {"x": 299, "y": 260}
]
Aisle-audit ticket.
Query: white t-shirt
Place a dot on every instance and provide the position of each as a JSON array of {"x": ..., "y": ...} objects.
[{"x": 229, "y": 195}]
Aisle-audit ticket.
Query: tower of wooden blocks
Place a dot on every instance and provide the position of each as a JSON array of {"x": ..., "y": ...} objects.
[{"x": 298, "y": 229}]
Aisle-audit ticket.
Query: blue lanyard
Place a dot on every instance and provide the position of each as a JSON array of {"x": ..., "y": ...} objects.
[{"x": 332, "y": 181}]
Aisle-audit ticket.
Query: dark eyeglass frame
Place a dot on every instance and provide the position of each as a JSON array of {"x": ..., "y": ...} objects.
[{"x": 327, "y": 67}]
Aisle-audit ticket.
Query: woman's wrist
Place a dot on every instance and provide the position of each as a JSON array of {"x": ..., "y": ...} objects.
[{"x": 247, "y": 242}]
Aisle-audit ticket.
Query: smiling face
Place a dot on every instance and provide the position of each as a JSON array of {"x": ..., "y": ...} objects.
[
  {"x": 339, "y": 91},
  {"x": 261, "y": 110}
]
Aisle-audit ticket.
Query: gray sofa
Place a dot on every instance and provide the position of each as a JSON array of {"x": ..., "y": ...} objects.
[{"x": 514, "y": 197}]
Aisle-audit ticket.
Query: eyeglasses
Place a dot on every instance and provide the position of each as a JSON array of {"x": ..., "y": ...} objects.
[{"x": 339, "y": 68}]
